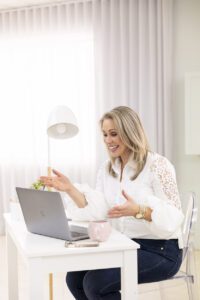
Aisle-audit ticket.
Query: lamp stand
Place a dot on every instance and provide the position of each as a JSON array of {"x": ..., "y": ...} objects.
[
  {"x": 49, "y": 171},
  {"x": 50, "y": 274},
  {"x": 50, "y": 286}
]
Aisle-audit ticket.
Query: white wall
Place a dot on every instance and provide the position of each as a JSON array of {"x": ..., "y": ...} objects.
[{"x": 186, "y": 59}]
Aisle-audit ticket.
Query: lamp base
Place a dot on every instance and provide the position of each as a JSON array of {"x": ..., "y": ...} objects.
[{"x": 49, "y": 171}]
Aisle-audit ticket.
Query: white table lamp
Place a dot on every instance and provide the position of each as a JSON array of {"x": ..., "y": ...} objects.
[{"x": 61, "y": 124}]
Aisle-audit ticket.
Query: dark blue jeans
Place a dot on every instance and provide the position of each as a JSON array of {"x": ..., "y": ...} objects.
[{"x": 157, "y": 260}]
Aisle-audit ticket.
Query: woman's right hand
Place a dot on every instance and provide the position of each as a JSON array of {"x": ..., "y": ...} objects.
[{"x": 59, "y": 182}]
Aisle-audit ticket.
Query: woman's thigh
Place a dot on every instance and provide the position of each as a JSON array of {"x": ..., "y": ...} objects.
[
  {"x": 157, "y": 264},
  {"x": 153, "y": 267},
  {"x": 158, "y": 259}
]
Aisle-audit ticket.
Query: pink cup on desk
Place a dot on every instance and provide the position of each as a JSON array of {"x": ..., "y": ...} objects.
[{"x": 99, "y": 230}]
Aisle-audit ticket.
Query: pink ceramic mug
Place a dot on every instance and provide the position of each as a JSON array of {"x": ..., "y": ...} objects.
[{"x": 99, "y": 230}]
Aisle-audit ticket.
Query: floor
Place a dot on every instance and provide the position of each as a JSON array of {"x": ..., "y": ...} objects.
[{"x": 173, "y": 290}]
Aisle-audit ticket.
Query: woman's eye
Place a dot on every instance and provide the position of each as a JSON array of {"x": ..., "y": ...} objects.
[{"x": 110, "y": 134}]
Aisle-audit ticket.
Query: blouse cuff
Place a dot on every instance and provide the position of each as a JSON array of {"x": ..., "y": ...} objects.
[
  {"x": 95, "y": 209},
  {"x": 166, "y": 218}
]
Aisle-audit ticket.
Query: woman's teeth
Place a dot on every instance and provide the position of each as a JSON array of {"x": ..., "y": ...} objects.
[{"x": 113, "y": 148}]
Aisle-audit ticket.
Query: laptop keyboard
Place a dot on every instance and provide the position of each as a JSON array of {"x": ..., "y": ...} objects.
[{"x": 76, "y": 234}]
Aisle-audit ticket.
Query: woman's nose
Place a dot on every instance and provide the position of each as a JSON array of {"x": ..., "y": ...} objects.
[{"x": 108, "y": 139}]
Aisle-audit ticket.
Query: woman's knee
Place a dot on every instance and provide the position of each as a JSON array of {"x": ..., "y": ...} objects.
[
  {"x": 74, "y": 280},
  {"x": 90, "y": 286},
  {"x": 98, "y": 283},
  {"x": 70, "y": 280}
]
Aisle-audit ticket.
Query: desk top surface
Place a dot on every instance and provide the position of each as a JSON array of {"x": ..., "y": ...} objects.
[{"x": 33, "y": 245}]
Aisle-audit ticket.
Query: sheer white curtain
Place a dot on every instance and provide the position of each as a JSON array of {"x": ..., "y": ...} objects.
[
  {"x": 92, "y": 56},
  {"x": 134, "y": 50},
  {"x": 46, "y": 59}
]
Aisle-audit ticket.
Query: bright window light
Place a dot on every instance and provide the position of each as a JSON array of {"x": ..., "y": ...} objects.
[{"x": 36, "y": 74}]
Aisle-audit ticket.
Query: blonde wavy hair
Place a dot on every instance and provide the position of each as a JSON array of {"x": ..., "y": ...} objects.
[{"x": 132, "y": 134}]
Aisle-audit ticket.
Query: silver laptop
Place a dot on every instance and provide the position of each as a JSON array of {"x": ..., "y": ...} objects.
[{"x": 44, "y": 214}]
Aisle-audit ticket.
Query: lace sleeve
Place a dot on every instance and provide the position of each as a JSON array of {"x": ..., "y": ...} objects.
[{"x": 164, "y": 181}]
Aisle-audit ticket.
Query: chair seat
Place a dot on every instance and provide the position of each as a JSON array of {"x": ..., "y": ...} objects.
[{"x": 182, "y": 275}]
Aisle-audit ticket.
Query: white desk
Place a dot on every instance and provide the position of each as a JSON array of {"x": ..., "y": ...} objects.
[{"x": 45, "y": 255}]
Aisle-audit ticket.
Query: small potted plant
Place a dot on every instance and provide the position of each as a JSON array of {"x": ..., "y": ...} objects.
[{"x": 38, "y": 185}]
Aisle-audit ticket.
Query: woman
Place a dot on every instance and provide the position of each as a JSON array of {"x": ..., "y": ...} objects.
[{"x": 137, "y": 189}]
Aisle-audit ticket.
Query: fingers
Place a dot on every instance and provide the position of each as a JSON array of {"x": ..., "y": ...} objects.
[
  {"x": 43, "y": 179},
  {"x": 57, "y": 173},
  {"x": 47, "y": 180},
  {"x": 116, "y": 212},
  {"x": 114, "y": 215},
  {"x": 125, "y": 209},
  {"x": 126, "y": 196}
]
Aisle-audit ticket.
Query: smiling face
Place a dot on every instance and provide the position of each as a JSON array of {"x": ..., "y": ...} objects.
[{"x": 115, "y": 146}]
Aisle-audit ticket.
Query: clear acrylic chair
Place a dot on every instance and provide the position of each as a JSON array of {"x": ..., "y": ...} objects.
[{"x": 188, "y": 270}]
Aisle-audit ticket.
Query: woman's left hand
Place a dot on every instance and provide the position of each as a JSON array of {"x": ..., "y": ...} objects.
[{"x": 129, "y": 208}]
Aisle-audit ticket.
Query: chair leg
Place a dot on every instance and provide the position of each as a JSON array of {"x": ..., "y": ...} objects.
[
  {"x": 191, "y": 280},
  {"x": 162, "y": 290},
  {"x": 192, "y": 288},
  {"x": 189, "y": 290}
]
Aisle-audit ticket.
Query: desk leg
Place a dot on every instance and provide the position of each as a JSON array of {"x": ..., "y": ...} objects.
[
  {"x": 129, "y": 276},
  {"x": 12, "y": 262},
  {"x": 36, "y": 280}
]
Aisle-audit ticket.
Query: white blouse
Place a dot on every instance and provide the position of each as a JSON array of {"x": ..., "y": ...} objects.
[{"x": 155, "y": 187}]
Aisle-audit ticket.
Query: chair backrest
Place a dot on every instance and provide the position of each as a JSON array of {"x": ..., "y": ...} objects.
[{"x": 189, "y": 208}]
